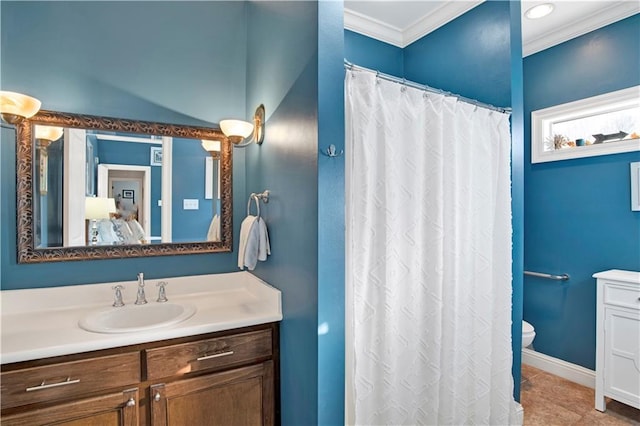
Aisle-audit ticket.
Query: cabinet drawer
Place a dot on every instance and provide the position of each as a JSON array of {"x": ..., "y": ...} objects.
[
  {"x": 621, "y": 296},
  {"x": 208, "y": 354},
  {"x": 69, "y": 379}
]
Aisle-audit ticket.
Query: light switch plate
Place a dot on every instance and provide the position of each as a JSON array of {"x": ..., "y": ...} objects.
[{"x": 190, "y": 204}]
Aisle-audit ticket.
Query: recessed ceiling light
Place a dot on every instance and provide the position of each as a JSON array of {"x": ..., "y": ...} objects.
[{"x": 539, "y": 11}]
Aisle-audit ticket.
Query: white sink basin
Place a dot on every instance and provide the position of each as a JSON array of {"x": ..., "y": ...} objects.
[{"x": 131, "y": 318}]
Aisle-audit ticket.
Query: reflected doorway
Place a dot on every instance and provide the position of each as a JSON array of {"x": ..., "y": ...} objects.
[{"x": 130, "y": 186}]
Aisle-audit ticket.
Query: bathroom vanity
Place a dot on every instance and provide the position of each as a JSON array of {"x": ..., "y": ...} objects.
[
  {"x": 220, "y": 366},
  {"x": 618, "y": 338}
]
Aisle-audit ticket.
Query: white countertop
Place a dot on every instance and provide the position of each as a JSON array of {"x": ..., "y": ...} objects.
[
  {"x": 41, "y": 323},
  {"x": 619, "y": 275}
]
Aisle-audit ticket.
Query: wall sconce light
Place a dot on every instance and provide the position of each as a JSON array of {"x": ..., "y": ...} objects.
[
  {"x": 212, "y": 147},
  {"x": 14, "y": 107},
  {"x": 238, "y": 131},
  {"x": 97, "y": 208}
]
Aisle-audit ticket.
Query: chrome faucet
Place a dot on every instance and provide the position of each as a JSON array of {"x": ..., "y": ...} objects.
[
  {"x": 117, "y": 303},
  {"x": 141, "y": 299},
  {"x": 162, "y": 294}
]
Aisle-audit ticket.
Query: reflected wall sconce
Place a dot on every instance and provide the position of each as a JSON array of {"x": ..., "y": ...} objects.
[
  {"x": 47, "y": 134},
  {"x": 97, "y": 208},
  {"x": 239, "y": 131},
  {"x": 212, "y": 147},
  {"x": 44, "y": 135},
  {"x": 14, "y": 107}
]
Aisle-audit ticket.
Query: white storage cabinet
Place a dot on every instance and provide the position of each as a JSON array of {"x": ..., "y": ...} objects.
[{"x": 618, "y": 338}]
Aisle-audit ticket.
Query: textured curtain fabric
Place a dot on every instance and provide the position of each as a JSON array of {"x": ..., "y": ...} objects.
[{"x": 428, "y": 258}]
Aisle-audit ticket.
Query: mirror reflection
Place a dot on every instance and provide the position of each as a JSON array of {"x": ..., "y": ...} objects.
[
  {"x": 126, "y": 169},
  {"x": 106, "y": 183}
]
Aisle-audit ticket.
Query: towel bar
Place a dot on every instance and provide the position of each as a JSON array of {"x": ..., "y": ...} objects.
[{"x": 562, "y": 277}]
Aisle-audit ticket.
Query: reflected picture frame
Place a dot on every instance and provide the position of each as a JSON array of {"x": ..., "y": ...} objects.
[
  {"x": 156, "y": 156},
  {"x": 547, "y": 144}
]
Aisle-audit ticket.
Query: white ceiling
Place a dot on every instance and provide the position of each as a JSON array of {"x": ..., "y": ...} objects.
[{"x": 400, "y": 23}]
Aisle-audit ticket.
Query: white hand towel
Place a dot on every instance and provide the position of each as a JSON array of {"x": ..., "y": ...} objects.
[
  {"x": 264, "y": 248},
  {"x": 214, "y": 229},
  {"x": 253, "y": 246},
  {"x": 245, "y": 232}
]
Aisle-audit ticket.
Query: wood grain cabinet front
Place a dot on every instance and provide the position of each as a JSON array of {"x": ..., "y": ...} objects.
[
  {"x": 225, "y": 378},
  {"x": 113, "y": 409},
  {"x": 63, "y": 380},
  {"x": 207, "y": 354},
  {"x": 238, "y": 397}
]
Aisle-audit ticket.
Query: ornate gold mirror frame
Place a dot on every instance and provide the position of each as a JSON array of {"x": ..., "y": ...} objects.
[{"x": 28, "y": 253}]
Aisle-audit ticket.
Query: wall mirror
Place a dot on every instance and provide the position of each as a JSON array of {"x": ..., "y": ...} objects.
[{"x": 93, "y": 187}]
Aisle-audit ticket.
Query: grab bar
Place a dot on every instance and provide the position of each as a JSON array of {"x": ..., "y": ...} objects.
[{"x": 563, "y": 277}]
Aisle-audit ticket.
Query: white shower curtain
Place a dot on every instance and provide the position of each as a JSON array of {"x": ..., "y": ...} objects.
[{"x": 428, "y": 258}]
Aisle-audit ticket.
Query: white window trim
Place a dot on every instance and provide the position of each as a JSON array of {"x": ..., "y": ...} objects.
[{"x": 541, "y": 121}]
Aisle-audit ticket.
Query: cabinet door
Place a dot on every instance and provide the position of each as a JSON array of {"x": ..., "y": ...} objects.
[
  {"x": 116, "y": 409},
  {"x": 243, "y": 396},
  {"x": 622, "y": 356}
]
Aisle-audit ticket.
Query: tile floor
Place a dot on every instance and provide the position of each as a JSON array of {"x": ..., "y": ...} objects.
[{"x": 549, "y": 400}]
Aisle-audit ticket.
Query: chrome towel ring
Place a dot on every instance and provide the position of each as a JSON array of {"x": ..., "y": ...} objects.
[{"x": 264, "y": 196}]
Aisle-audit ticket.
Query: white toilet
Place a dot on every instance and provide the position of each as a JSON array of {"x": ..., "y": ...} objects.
[{"x": 528, "y": 334}]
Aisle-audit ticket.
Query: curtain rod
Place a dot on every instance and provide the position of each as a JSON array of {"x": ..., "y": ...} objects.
[{"x": 350, "y": 66}]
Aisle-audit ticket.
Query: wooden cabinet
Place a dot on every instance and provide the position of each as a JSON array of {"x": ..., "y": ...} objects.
[
  {"x": 242, "y": 396},
  {"x": 225, "y": 378},
  {"x": 113, "y": 409},
  {"x": 618, "y": 338}
]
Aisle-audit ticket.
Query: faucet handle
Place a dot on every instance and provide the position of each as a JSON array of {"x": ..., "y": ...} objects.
[
  {"x": 162, "y": 295},
  {"x": 118, "y": 297}
]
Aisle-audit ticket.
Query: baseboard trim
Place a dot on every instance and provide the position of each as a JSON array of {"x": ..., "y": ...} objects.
[{"x": 566, "y": 370}]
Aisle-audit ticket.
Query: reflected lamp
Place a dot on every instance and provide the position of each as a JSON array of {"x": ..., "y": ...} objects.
[{"x": 97, "y": 208}]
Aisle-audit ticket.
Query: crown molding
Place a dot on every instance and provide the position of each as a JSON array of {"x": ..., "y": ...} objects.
[
  {"x": 382, "y": 31},
  {"x": 441, "y": 16},
  {"x": 373, "y": 28},
  {"x": 589, "y": 23}
]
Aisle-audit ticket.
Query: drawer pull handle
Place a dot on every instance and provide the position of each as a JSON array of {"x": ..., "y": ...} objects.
[
  {"x": 43, "y": 385},
  {"x": 131, "y": 402},
  {"x": 202, "y": 358},
  {"x": 157, "y": 397}
]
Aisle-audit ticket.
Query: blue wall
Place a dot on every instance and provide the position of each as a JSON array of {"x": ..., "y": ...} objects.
[
  {"x": 468, "y": 56},
  {"x": 188, "y": 182},
  {"x": 373, "y": 54},
  {"x": 331, "y": 210},
  {"x": 517, "y": 191},
  {"x": 75, "y": 59},
  {"x": 578, "y": 216},
  {"x": 282, "y": 73}
]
